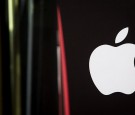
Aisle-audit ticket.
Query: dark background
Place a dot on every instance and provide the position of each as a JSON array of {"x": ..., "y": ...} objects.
[
  {"x": 44, "y": 92},
  {"x": 86, "y": 25},
  {"x": 44, "y": 79}
]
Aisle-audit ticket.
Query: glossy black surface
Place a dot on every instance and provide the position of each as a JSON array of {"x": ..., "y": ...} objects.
[{"x": 86, "y": 25}]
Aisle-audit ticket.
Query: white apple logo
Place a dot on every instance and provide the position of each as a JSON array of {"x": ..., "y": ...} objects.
[{"x": 112, "y": 68}]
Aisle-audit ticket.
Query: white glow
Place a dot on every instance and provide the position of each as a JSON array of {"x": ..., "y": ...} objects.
[
  {"x": 112, "y": 68},
  {"x": 10, "y": 14}
]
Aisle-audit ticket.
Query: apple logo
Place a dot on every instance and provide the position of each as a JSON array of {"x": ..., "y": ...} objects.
[{"x": 112, "y": 68}]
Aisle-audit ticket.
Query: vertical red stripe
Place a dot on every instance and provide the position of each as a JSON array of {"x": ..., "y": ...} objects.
[{"x": 64, "y": 67}]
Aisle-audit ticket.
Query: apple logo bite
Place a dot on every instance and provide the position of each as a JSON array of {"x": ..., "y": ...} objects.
[{"x": 112, "y": 68}]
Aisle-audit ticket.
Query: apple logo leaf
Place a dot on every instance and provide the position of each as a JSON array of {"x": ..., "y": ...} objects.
[{"x": 121, "y": 35}]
